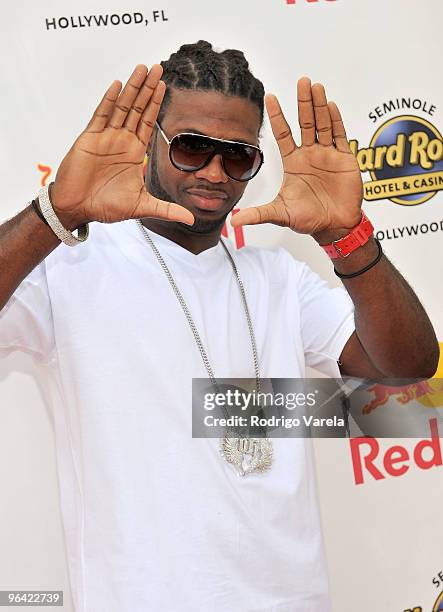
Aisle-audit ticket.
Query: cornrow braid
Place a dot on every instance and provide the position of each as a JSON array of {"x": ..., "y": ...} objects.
[{"x": 198, "y": 66}]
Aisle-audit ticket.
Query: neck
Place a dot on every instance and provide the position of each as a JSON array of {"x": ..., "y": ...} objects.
[{"x": 195, "y": 242}]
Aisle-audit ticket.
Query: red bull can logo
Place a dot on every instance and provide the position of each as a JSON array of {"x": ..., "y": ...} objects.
[{"x": 428, "y": 393}]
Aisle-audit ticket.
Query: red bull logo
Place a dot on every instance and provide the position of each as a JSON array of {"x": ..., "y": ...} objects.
[
  {"x": 428, "y": 392},
  {"x": 396, "y": 460},
  {"x": 403, "y": 395}
]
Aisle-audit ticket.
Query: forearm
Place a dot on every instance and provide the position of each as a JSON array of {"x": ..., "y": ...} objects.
[
  {"x": 391, "y": 323},
  {"x": 24, "y": 242}
]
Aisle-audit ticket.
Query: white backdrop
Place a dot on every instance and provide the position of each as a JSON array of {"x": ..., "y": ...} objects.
[{"x": 382, "y": 536}]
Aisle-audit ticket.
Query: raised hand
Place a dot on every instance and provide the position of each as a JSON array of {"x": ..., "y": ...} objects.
[
  {"x": 322, "y": 187},
  {"x": 101, "y": 177}
]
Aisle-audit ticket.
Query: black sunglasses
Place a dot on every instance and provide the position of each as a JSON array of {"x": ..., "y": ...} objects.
[{"x": 190, "y": 152}]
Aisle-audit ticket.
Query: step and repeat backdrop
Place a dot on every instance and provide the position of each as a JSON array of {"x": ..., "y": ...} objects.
[{"x": 380, "y": 60}]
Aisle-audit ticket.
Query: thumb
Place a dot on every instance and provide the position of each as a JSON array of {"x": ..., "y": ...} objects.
[
  {"x": 151, "y": 206},
  {"x": 254, "y": 215}
]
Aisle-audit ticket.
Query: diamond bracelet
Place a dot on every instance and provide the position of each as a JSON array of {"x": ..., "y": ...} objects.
[{"x": 54, "y": 222}]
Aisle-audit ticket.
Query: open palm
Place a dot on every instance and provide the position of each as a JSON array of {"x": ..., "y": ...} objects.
[
  {"x": 101, "y": 177},
  {"x": 322, "y": 186}
]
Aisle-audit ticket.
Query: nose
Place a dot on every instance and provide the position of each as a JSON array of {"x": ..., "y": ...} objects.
[{"x": 213, "y": 172}]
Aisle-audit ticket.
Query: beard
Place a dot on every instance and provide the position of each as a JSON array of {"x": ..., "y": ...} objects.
[{"x": 200, "y": 226}]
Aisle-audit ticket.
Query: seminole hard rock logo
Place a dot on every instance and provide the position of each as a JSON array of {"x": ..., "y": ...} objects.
[{"x": 404, "y": 158}]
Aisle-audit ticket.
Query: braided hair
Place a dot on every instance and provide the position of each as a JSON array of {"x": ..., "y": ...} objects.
[{"x": 199, "y": 67}]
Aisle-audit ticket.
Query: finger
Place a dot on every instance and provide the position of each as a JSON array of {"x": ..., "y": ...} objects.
[
  {"x": 323, "y": 121},
  {"x": 306, "y": 117},
  {"x": 103, "y": 111},
  {"x": 254, "y": 215},
  {"x": 127, "y": 96},
  {"x": 338, "y": 129},
  {"x": 159, "y": 209},
  {"x": 143, "y": 97},
  {"x": 149, "y": 117},
  {"x": 280, "y": 127}
]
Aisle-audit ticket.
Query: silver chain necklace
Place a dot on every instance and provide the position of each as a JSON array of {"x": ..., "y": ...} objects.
[{"x": 246, "y": 454}]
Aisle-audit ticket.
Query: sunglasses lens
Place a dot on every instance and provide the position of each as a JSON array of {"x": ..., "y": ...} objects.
[
  {"x": 190, "y": 152},
  {"x": 241, "y": 162}
]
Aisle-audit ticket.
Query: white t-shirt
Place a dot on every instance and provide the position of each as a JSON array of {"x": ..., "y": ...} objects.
[{"x": 154, "y": 519}]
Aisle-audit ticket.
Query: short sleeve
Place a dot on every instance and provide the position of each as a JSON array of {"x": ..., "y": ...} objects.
[
  {"x": 327, "y": 319},
  {"x": 26, "y": 319},
  {"x": 326, "y": 315}
]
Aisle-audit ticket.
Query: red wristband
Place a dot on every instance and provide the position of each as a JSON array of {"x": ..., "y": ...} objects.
[{"x": 357, "y": 237}]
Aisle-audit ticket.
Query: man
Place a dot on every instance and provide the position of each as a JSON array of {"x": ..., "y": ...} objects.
[{"x": 154, "y": 519}]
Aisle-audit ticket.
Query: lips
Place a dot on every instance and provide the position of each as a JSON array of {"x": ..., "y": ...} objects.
[{"x": 207, "y": 200}]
